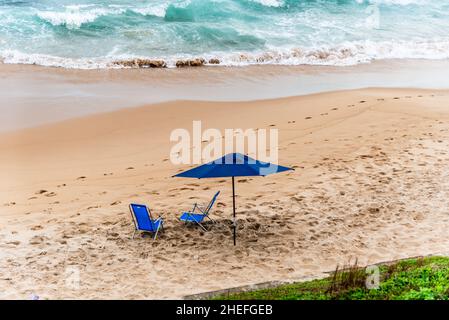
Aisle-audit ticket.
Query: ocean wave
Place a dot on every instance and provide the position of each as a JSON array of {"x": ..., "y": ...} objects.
[
  {"x": 343, "y": 55},
  {"x": 236, "y": 32},
  {"x": 396, "y": 2},
  {"x": 154, "y": 10},
  {"x": 74, "y": 16},
  {"x": 270, "y": 3}
]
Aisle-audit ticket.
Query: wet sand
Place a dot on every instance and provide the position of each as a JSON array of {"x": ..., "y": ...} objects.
[{"x": 35, "y": 95}]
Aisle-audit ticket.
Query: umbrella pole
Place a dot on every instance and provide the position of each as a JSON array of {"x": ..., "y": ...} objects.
[{"x": 233, "y": 207}]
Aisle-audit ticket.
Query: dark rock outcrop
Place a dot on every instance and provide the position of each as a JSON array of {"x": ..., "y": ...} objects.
[
  {"x": 198, "y": 62},
  {"x": 142, "y": 63},
  {"x": 214, "y": 61}
]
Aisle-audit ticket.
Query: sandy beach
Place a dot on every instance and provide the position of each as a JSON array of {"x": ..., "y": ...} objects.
[{"x": 370, "y": 182}]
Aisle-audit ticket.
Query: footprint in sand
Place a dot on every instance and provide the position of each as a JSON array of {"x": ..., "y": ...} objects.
[
  {"x": 50, "y": 194},
  {"x": 81, "y": 178},
  {"x": 307, "y": 118},
  {"x": 130, "y": 168},
  {"x": 41, "y": 191},
  {"x": 324, "y": 114},
  {"x": 362, "y": 101},
  {"x": 115, "y": 203},
  {"x": 37, "y": 240},
  {"x": 333, "y": 109}
]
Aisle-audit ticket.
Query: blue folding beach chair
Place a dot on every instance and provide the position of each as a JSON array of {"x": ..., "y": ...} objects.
[
  {"x": 202, "y": 213},
  {"x": 143, "y": 221}
]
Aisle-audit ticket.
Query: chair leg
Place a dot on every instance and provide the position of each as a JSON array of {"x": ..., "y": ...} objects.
[
  {"x": 202, "y": 226},
  {"x": 134, "y": 234},
  {"x": 213, "y": 221}
]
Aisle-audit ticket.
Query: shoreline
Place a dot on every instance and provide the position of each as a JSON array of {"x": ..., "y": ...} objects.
[{"x": 35, "y": 95}]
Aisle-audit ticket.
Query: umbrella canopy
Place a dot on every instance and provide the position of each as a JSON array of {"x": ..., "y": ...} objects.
[{"x": 233, "y": 165}]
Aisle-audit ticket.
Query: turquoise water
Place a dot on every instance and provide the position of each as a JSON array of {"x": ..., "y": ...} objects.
[{"x": 95, "y": 33}]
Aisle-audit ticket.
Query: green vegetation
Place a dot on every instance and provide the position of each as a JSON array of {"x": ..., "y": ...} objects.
[{"x": 412, "y": 279}]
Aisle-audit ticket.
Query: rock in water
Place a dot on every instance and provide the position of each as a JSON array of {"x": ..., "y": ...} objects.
[
  {"x": 198, "y": 62},
  {"x": 182, "y": 63},
  {"x": 141, "y": 63}
]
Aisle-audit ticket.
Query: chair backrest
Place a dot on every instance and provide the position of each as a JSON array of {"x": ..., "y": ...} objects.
[
  {"x": 211, "y": 203},
  {"x": 141, "y": 217}
]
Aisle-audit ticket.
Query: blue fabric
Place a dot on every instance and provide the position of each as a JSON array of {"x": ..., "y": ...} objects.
[
  {"x": 192, "y": 217},
  {"x": 143, "y": 219},
  {"x": 233, "y": 165}
]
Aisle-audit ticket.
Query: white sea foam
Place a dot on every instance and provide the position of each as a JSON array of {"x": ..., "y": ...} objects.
[
  {"x": 155, "y": 10},
  {"x": 396, "y": 2},
  {"x": 75, "y": 16},
  {"x": 270, "y": 3},
  {"x": 343, "y": 55},
  {"x": 17, "y": 57}
]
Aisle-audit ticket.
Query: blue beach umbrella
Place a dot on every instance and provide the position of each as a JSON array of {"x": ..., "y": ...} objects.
[{"x": 233, "y": 165}]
